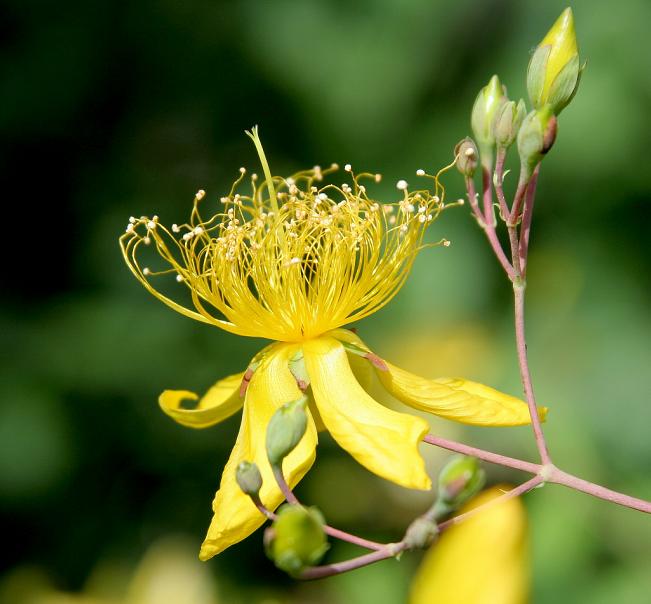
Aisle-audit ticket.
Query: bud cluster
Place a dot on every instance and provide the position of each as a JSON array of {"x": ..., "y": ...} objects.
[{"x": 497, "y": 122}]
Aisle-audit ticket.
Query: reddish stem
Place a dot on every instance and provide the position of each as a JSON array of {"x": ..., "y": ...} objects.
[
  {"x": 518, "y": 294},
  {"x": 578, "y": 484},
  {"x": 499, "y": 184},
  {"x": 525, "y": 228},
  {"x": 327, "y": 570},
  {"x": 496, "y": 458},
  {"x": 515, "y": 492},
  {"x": 489, "y": 229}
]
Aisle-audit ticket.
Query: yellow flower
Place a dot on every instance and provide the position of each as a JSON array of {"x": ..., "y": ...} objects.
[
  {"x": 293, "y": 261},
  {"x": 482, "y": 560}
]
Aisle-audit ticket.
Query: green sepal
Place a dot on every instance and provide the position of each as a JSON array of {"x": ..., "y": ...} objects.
[{"x": 536, "y": 73}]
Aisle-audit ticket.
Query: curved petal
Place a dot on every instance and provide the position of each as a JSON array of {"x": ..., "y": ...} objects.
[
  {"x": 382, "y": 440},
  {"x": 221, "y": 401},
  {"x": 235, "y": 516},
  {"x": 360, "y": 366},
  {"x": 458, "y": 399}
]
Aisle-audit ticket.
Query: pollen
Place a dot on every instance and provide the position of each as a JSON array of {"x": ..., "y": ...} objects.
[{"x": 288, "y": 259}]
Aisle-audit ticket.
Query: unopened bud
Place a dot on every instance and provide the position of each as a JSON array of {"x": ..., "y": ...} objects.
[
  {"x": 554, "y": 70},
  {"x": 248, "y": 478},
  {"x": 536, "y": 137},
  {"x": 489, "y": 99},
  {"x": 296, "y": 539},
  {"x": 508, "y": 120},
  {"x": 459, "y": 480},
  {"x": 285, "y": 430},
  {"x": 421, "y": 533},
  {"x": 467, "y": 156}
]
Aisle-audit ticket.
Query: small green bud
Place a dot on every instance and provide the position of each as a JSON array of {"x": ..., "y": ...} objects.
[
  {"x": 467, "y": 156},
  {"x": 421, "y": 533},
  {"x": 296, "y": 539},
  {"x": 489, "y": 99},
  {"x": 459, "y": 480},
  {"x": 508, "y": 120},
  {"x": 554, "y": 69},
  {"x": 248, "y": 478},
  {"x": 536, "y": 137},
  {"x": 285, "y": 430}
]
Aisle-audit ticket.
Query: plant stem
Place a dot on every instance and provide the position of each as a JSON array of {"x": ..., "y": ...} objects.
[
  {"x": 527, "y": 215},
  {"x": 518, "y": 294},
  {"x": 327, "y": 570},
  {"x": 329, "y": 530},
  {"x": 532, "y": 483},
  {"x": 489, "y": 229},
  {"x": 578, "y": 484},
  {"x": 496, "y": 458}
]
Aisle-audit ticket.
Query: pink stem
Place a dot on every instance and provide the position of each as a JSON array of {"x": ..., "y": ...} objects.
[
  {"x": 489, "y": 229},
  {"x": 329, "y": 530},
  {"x": 499, "y": 184},
  {"x": 327, "y": 570},
  {"x": 518, "y": 292},
  {"x": 515, "y": 492},
  {"x": 354, "y": 539},
  {"x": 525, "y": 229},
  {"x": 496, "y": 458},
  {"x": 578, "y": 484}
]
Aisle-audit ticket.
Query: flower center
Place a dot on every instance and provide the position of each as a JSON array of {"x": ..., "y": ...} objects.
[{"x": 291, "y": 266}]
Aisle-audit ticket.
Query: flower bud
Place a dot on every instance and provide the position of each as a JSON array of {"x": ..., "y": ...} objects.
[
  {"x": 488, "y": 100},
  {"x": 554, "y": 71},
  {"x": 285, "y": 430},
  {"x": 248, "y": 478},
  {"x": 296, "y": 539},
  {"x": 467, "y": 156},
  {"x": 536, "y": 136},
  {"x": 508, "y": 120},
  {"x": 459, "y": 480},
  {"x": 422, "y": 532}
]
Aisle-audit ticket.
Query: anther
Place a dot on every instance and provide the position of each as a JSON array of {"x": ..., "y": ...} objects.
[
  {"x": 129, "y": 228},
  {"x": 175, "y": 228},
  {"x": 348, "y": 168},
  {"x": 198, "y": 230},
  {"x": 200, "y": 194},
  {"x": 147, "y": 240},
  {"x": 179, "y": 278},
  {"x": 401, "y": 185},
  {"x": 420, "y": 172},
  {"x": 151, "y": 224},
  {"x": 187, "y": 236},
  {"x": 243, "y": 170},
  {"x": 446, "y": 243},
  {"x": 469, "y": 152},
  {"x": 146, "y": 271},
  {"x": 132, "y": 219},
  {"x": 378, "y": 177}
]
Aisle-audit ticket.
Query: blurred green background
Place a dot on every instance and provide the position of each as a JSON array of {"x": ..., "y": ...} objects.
[{"x": 112, "y": 108}]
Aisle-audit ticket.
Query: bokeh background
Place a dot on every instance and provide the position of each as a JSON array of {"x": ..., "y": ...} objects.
[{"x": 111, "y": 108}]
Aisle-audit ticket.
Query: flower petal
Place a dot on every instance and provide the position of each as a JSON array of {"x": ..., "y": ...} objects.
[
  {"x": 235, "y": 516},
  {"x": 458, "y": 399},
  {"x": 382, "y": 440},
  {"x": 221, "y": 401}
]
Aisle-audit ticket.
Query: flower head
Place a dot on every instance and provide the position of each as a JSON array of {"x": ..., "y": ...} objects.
[
  {"x": 290, "y": 259},
  {"x": 294, "y": 261}
]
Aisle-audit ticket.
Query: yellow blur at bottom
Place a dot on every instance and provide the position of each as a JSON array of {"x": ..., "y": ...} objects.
[
  {"x": 482, "y": 560},
  {"x": 169, "y": 573}
]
